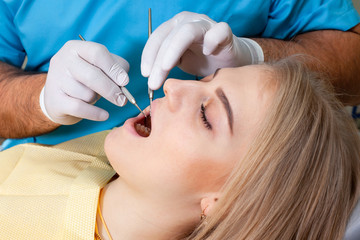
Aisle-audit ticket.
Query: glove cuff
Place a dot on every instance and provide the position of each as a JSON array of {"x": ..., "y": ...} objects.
[
  {"x": 42, "y": 104},
  {"x": 257, "y": 54}
]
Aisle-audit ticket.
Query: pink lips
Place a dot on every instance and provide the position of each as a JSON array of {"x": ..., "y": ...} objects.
[{"x": 130, "y": 123}]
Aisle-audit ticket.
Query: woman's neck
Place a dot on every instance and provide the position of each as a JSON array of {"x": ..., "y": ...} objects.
[{"x": 129, "y": 215}]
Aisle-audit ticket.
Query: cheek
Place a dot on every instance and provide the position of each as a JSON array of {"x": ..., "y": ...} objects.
[
  {"x": 206, "y": 174},
  {"x": 200, "y": 168},
  {"x": 196, "y": 162}
]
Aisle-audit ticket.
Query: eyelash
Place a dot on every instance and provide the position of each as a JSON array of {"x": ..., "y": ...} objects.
[{"x": 204, "y": 118}]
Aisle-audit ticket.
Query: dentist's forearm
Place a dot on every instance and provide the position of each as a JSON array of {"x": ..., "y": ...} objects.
[
  {"x": 338, "y": 52},
  {"x": 20, "y": 112}
]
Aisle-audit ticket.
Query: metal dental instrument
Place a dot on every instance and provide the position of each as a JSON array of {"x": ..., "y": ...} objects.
[
  {"x": 131, "y": 99},
  {"x": 81, "y": 37},
  {"x": 126, "y": 92},
  {"x": 150, "y": 92}
]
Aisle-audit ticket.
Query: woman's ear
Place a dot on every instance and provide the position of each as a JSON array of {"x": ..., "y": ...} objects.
[{"x": 208, "y": 203}]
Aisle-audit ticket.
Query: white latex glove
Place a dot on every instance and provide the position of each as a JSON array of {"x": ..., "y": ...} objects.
[
  {"x": 198, "y": 45},
  {"x": 79, "y": 74}
]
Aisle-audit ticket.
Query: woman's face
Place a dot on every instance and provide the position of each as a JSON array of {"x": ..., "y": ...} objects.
[{"x": 200, "y": 130}]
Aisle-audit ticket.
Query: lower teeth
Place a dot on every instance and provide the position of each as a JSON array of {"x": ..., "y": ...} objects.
[{"x": 142, "y": 130}]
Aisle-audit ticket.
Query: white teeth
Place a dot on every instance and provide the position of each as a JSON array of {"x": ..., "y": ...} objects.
[{"x": 142, "y": 130}]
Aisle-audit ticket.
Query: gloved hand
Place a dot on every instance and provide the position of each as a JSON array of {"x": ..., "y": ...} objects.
[
  {"x": 79, "y": 74},
  {"x": 198, "y": 45}
]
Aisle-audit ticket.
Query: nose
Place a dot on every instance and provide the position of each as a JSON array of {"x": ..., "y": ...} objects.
[{"x": 178, "y": 91}]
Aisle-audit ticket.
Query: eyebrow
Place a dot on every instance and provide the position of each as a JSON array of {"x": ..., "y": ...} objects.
[{"x": 220, "y": 93}]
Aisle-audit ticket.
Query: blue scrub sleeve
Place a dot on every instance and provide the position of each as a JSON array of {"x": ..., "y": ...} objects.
[
  {"x": 287, "y": 18},
  {"x": 11, "y": 50}
]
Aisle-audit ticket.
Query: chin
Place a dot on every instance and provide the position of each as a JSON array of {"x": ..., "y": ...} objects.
[
  {"x": 119, "y": 147},
  {"x": 110, "y": 138},
  {"x": 123, "y": 142},
  {"x": 112, "y": 143}
]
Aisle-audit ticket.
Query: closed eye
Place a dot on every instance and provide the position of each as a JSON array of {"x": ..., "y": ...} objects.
[{"x": 204, "y": 118}]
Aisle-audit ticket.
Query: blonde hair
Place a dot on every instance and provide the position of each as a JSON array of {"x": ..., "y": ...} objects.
[{"x": 300, "y": 179}]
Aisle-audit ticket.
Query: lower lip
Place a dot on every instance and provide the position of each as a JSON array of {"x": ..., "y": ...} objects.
[{"x": 129, "y": 126}]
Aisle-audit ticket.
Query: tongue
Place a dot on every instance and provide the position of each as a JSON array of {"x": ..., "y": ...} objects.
[{"x": 142, "y": 130}]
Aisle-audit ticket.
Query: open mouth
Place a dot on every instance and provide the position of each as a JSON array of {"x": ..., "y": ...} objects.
[{"x": 143, "y": 126}]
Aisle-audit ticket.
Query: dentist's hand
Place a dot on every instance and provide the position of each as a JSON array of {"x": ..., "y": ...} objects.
[
  {"x": 79, "y": 74},
  {"x": 198, "y": 45}
]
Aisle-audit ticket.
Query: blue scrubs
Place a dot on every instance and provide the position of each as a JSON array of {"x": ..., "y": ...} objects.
[{"x": 40, "y": 28}]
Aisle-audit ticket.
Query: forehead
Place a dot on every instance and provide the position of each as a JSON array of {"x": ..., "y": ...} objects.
[
  {"x": 250, "y": 90},
  {"x": 252, "y": 76},
  {"x": 255, "y": 82}
]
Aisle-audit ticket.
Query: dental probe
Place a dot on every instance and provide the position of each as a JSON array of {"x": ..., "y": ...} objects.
[
  {"x": 150, "y": 92},
  {"x": 126, "y": 92},
  {"x": 131, "y": 98},
  {"x": 81, "y": 37}
]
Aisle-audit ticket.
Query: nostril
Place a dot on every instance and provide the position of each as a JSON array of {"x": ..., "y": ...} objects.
[{"x": 172, "y": 87}]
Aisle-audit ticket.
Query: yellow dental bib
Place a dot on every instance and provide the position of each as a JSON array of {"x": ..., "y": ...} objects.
[{"x": 51, "y": 192}]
